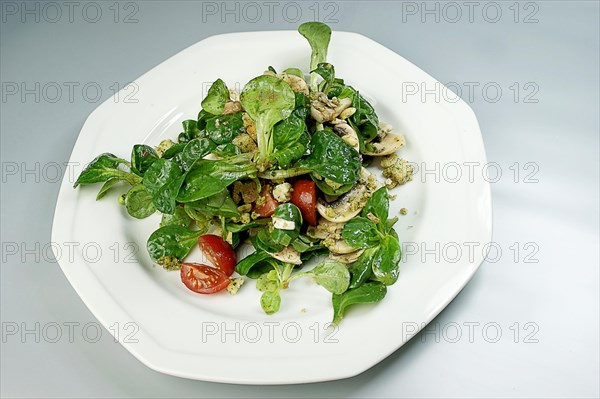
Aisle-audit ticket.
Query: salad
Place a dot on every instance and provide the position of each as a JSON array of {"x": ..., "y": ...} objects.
[{"x": 279, "y": 166}]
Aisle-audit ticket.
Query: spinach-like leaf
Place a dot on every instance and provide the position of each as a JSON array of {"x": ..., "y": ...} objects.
[
  {"x": 163, "y": 180},
  {"x": 209, "y": 177},
  {"x": 386, "y": 261},
  {"x": 301, "y": 106},
  {"x": 262, "y": 241},
  {"x": 103, "y": 168},
  {"x": 142, "y": 156},
  {"x": 195, "y": 149},
  {"x": 191, "y": 130},
  {"x": 327, "y": 189},
  {"x": 226, "y": 150},
  {"x": 331, "y": 275},
  {"x": 332, "y": 158},
  {"x": 362, "y": 269},
  {"x": 268, "y": 281},
  {"x": 222, "y": 129},
  {"x": 314, "y": 252},
  {"x": 262, "y": 267},
  {"x": 370, "y": 292},
  {"x": 217, "y": 96},
  {"x": 175, "y": 241},
  {"x": 267, "y": 100},
  {"x": 279, "y": 237},
  {"x": 327, "y": 72},
  {"x": 378, "y": 206},
  {"x": 304, "y": 244},
  {"x": 106, "y": 186},
  {"x": 159, "y": 173},
  {"x": 219, "y": 204},
  {"x": 365, "y": 117},
  {"x": 237, "y": 228},
  {"x": 250, "y": 261},
  {"x": 361, "y": 232},
  {"x": 318, "y": 35},
  {"x": 290, "y": 140},
  {"x": 138, "y": 202},
  {"x": 174, "y": 150},
  {"x": 202, "y": 221},
  {"x": 178, "y": 218},
  {"x": 294, "y": 71},
  {"x": 270, "y": 301},
  {"x": 203, "y": 116}
]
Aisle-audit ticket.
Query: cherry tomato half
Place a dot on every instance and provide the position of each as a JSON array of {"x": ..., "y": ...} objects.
[
  {"x": 304, "y": 197},
  {"x": 203, "y": 279},
  {"x": 268, "y": 207},
  {"x": 219, "y": 252}
]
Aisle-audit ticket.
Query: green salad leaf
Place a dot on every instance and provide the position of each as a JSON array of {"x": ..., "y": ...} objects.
[
  {"x": 318, "y": 35},
  {"x": 142, "y": 156},
  {"x": 105, "y": 167},
  {"x": 267, "y": 100},
  {"x": 138, "y": 202},
  {"x": 332, "y": 158},
  {"x": 162, "y": 181},
  {"x": 217, "y": 96},
  {"x": 209, "y": 177},
  {"x": 370, "y": 292},
  {"x": 222, "y": 129},
  {"x": 331, "y": 275},
  {"x": 173, "y": 241}
]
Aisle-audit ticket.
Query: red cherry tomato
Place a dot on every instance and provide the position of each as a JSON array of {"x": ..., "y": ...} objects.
[
  {"x": 219, "y": 252},
  {"x": 304, "y": 197},
  {"x": 268, "y": 207},
  {"x": 203, "y": 279}
]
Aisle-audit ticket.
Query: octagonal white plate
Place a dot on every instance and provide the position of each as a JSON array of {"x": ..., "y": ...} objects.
[{"x": 228, "y": 338}]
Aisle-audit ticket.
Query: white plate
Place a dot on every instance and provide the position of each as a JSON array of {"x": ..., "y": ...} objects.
[{"x": 228, "y": 338}]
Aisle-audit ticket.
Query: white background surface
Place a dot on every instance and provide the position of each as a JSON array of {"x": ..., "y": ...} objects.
[{"x": 555, "y": 289}]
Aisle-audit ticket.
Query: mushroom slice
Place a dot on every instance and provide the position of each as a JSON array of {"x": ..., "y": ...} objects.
[
  {"x": 325, "y": 229},
  {"x": 347, "y": 134},
  {"x": 343, "y": 104},
  {"x": 348, "y": 205},
  {"x": 232, "y": 107},
  {"x": 346, "y": 258},
  {"x": 389, "y": 144},
  {"x": 339, "y": 247},
  {"x": 324, "y": 109},
  {"x": 296, "y": 83},
  {"x": 288, "y": 255}
]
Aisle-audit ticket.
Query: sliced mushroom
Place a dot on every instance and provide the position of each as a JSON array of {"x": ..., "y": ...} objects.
[
  {"x": 345, "y": 207},
  {"x": 325, "y": 229},
  {"x": 288, "y": 255},
  {"x": 350, "y": 204},
  {"x": 389, "y": 144},
  {"x": 343, "y": 104},
  {"x": 347, "y": 113},
  {"x": 347, "y": 258},
  {"x": 384, "y": 128},
  {"x": 347, "y": 134},
  {"x": 323, "y": 109},
  {"x": 296, "y": 83},
  {"x": 339, "y": 247},
  {"x": 232, "y": 107}
]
